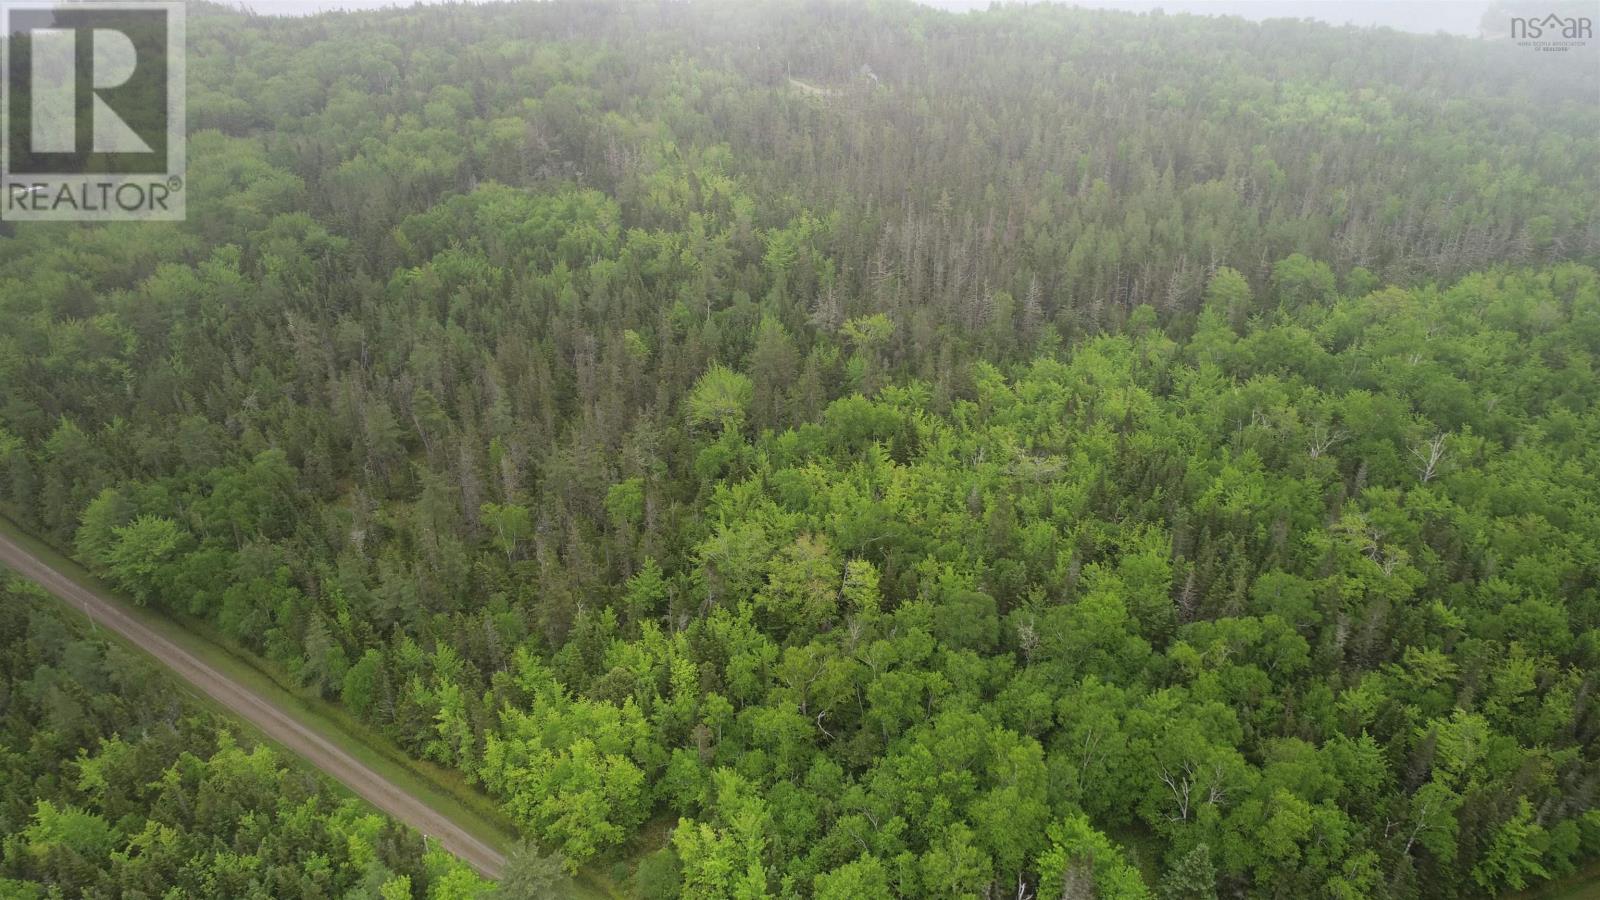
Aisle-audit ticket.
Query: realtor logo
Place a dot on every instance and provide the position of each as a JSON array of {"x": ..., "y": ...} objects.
[{"x": 92, "y": 112}]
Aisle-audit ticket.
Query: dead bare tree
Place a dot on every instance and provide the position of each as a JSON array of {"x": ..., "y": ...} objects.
[
  {"x": 1183, "y": 787},
  {"x": 1429, "y": 454},
  {"x": 1180, "y": 786},
  {"x": 1324, "y": 439}
]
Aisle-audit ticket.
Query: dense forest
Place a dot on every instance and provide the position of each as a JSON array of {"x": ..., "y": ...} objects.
[
  {"x": 114, "y": 785},
  {"x": 839, "y": 450}
]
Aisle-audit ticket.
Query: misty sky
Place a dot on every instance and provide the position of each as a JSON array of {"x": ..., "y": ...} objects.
[{"x": 1421, "y": 16}]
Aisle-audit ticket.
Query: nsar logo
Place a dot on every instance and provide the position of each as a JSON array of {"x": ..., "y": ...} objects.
[{"x": 1552, "y": 32}]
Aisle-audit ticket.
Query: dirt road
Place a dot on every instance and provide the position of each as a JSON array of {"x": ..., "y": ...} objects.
[{"x": 278, "y": 724}]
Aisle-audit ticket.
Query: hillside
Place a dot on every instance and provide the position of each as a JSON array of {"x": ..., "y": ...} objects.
[{"x": 812, "y": 449}]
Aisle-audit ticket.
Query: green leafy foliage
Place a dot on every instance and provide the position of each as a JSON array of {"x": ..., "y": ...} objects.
[{"x": 769, "y": 450}]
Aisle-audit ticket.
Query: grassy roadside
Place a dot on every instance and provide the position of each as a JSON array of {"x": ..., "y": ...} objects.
[
  {"x": 1583, "y": 884},
  {"x": 444, "y": 790}
]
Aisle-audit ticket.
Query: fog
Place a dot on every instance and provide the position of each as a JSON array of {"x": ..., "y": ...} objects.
[{"x": 1419, "y": 16}]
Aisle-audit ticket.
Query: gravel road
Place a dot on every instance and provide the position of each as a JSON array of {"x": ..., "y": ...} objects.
[{"x": 276, "y": 722}]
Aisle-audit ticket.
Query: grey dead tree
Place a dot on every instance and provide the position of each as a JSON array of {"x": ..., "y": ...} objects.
[
  {"x": 1323, "y": 438},
  {"x": 1429, "y": 455},
  {"x": 1185, "y": 786}
]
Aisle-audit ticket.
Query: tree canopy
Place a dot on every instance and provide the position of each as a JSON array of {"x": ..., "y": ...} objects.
[{"x": 820, "y": 449}]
